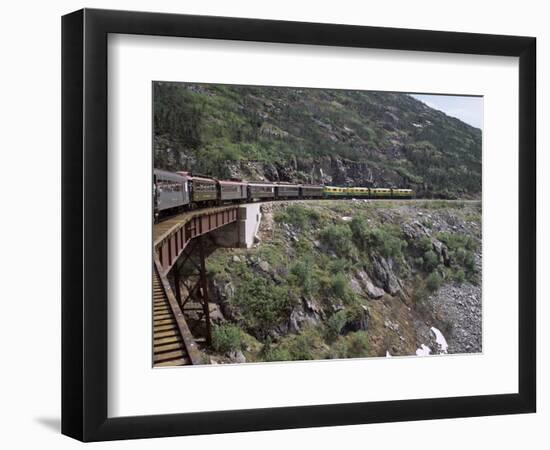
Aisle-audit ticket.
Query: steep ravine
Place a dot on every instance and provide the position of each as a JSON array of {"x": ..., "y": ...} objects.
[{"x": 339, "y": 279}]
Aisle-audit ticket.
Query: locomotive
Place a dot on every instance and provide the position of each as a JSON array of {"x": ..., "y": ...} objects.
[{"x": 180, "y": 191}]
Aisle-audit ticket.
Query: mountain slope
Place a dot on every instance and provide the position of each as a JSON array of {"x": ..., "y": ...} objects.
[{"x": 315, "y": 136}]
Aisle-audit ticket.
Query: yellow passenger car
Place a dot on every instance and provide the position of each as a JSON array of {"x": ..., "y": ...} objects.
[
  {"x": 402, "y": 193},
  {"x": 358, "y": 192},
  {"x": 380, "y": 193},
  {"x": 334, "y": 191}
]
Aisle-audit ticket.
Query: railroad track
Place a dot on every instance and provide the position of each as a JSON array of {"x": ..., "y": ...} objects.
[{"x": 168, "y": 346}]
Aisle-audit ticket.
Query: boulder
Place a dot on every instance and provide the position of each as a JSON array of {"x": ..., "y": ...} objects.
[
  {"x": 264, "y": 265},
  {"x": 367, "y": 285},
  {"x": 414, "y": 230},
  {"x": 383, "y": 271},
  {"x": 307, "y": 313},
  {"x": 236, "y": 357}
]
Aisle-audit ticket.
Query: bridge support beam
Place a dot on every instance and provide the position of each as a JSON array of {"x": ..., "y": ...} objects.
[
  {"x": 242, "y": 232},
  {"x": 196, "y": 284},
  {"x": 203, "y": 280}
]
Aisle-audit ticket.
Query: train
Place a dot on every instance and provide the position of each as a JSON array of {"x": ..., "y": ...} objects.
[{"x": 174, "y": 192}]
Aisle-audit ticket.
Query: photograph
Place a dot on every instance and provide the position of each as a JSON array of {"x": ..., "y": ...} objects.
[{"x": 296, "y": 224}]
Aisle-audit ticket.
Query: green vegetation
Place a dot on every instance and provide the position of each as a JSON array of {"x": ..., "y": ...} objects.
[
  {"x": 434, "y": 281},
  {"x": 430, "y": 260},
  {"x": 335, "y": 325},
  {"x": 353, "y": 345},
  {"x": 208, "y": 127},
  {"x": 262, "y": 304},
  {"x": 310, "y": 301},
  {"x": 338, "y": 238},
  {"x": 461, "y": 251},
  {"x": 298, "y": 215},
  {"x": 226, "y": 338},
  {"x": 302, "y": 270},
  {"x": 385, "y": 239}
]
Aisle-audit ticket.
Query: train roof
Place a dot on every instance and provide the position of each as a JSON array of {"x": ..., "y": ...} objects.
[
  {"x": 262, "y": 183},
  {"x": 288, "y": 185},
  {"x": 232, "y": 182},
  {"x": 209, "y": 180},
  {"x": 169, "y": 175},
  {"x": 192, "y": 176}
]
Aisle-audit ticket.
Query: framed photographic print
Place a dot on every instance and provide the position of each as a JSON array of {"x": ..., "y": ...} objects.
[{"x": 274, "y": 224}]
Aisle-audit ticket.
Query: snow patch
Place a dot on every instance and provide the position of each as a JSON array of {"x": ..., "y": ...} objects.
[
  {"x": 424, "y": 350},
  {"x": 440, "y": 339}
]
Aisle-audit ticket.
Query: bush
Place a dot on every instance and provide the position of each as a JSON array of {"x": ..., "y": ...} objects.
[
  {"x": 271, "y": 353},
  {"x": 261, "y": 304},
  {"x": 456, "y": 241},
  {"x": 353, "y": 345},
  {"x": 459, "y": 276},
  {"x": 424, "y": 244},
  {"x": 297, "y": 215},
  {"x": 335, "y": 325},
  {"x": 299, "y": 348},
  {"x": 303, "y": 277},
  {"x": 430, "y": 260},
  {"x": 358, "y": 344},
  {"x": 339, "y": 285},
  {"x": 338, "y": 238},
  {"x": 461, "y": 250},
  {"x": 386, "y": 239},
  {"x": 434, "y": 281},
  {"x": 226, "y": 338}
]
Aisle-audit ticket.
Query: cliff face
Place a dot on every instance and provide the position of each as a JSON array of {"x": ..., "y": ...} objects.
[
  {"x": 339, "y": 279},
  {"x": 315, "y": 136}
]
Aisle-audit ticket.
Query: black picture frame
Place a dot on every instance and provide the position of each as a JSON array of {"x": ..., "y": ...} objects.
[{"x": 84, "y": 224}]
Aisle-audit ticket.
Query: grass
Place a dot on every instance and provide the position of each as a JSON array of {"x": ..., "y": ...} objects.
[{"x": 297, "y": 215}]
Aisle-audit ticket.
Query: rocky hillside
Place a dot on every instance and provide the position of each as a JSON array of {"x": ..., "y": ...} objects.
[
  {"x": 315, "y": 136},
  {"x": 350, "y": 279}
]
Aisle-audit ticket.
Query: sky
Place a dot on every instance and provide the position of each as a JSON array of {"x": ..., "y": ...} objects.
[{"x": 467, "y": 109}]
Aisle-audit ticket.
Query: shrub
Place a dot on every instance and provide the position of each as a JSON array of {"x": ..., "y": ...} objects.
[
  {"x": 386, "y": 239},
  {"x": 353, "y": 345},
  {"x": 303, "y": 346},
  {"x": 358, "y": 344},
  {"x": 335, "y": 325},
  {"x": 297, "y": 215},
  {"x": 338, "y": 238},
  {"x": 339, "y": 285},
  {"x": 262, "y": 305},
  {"x": 303, "y": 276},
  {"x": 434, "y": 281},
  {"x": 470, "y": 262},
  {"x": 430, "y": 260},
  {"x": 271, "y": 353},
  {"x": 226, "y": 338},
  {"x": 299, "y": 348},
  {"x": 424, "y": 244},
  {"x": 339, "y": 265},
  {"x": 458, "y": 240},
  {"x": 459, "y": 276},
  {"x": 461, "y": 250}
]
